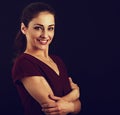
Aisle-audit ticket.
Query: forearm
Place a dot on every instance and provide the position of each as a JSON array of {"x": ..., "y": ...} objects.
[
  {"x": 70, "y": 107},
  {"x": 77, "y": 107},
  {"x": 72, "y": 96},
  {"x": 62, "y": 106}
]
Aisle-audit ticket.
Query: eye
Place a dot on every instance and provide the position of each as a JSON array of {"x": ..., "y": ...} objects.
[
  {"x": 38, "y": 28},
  {"x": 51, "y": 28}
]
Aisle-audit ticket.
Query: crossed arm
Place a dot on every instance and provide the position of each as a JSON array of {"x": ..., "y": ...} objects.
[{"x": 40, "y": 90}]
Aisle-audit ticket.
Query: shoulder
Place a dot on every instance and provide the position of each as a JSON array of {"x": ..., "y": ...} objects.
[
  {"x": 25, "y": 65},
  {"x": 58, "y": 60},
  {"x": 24, "y": 58},
  {"x": 20, "y": 58},
  {"x": 23, "y": 61},
  {"x": 56, "y": 57}
]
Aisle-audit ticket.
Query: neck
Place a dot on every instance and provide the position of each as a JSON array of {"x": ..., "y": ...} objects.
[{"x": 38, "y": 53}]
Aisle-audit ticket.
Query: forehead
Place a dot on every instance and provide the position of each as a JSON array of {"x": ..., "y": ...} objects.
[{"x": 44, "y": 18}]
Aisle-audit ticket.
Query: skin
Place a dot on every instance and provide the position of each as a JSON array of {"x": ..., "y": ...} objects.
[
  {"x": 39, "y": 35},
  {"x": 72, "y": 98}
]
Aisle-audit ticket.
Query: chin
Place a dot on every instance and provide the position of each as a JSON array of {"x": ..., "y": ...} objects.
[{"x": 43, "y": 48}]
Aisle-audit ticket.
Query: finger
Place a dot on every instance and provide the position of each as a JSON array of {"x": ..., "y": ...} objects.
[
  {"x": 53, "y": 113},
  {"x": 48, "y": 105},
  {"x": 55, "y": 98},
  {"x": 50, "y": 110},
  {"x": 70, "y": 80}
]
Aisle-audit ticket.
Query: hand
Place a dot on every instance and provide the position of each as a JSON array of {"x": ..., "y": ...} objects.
[
  {"x": 59, "y": 107},
  {"x": 74, "y": 87},
  {"x": 72, "y": 84}
]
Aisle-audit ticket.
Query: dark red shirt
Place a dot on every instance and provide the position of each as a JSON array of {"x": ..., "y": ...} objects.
[{"x": 26, "y": 66}]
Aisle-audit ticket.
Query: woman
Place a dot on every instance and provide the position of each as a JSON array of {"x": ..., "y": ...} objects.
[{"x": 41, "y": 79}]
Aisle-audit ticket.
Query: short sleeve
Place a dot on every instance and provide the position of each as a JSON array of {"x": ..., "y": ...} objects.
[{"x": 25, "y": 68}]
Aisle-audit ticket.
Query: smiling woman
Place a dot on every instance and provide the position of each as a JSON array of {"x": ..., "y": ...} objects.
[
  {"x": 40, "y": 32},
  {"x": 41, "y": 79}
]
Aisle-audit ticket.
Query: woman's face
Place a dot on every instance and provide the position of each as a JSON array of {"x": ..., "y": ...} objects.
[{"x": 40, "y": 31}]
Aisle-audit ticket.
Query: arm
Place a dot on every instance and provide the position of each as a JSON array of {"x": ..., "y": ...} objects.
[
  {"x": 74, "y": 94},
  {"x": 62, "y": 107},
  {"x": 38, "y": 88},
  {"x": 77, "y": 107},
  {"x": 69, "y": 103},
  {"x": 73, "y": 97}
]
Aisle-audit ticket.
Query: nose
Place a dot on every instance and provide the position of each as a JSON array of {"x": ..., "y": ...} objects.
[{"x": 44, "y": 34}]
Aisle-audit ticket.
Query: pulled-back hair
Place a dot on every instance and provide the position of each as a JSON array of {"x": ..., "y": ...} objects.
[{"x": 29, "y": 12}]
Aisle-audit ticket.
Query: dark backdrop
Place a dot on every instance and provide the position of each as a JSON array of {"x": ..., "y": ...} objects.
[{"x": 87, "y": 39}]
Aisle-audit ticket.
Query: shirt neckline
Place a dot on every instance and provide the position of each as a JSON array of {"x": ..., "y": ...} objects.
[{"x": 47, "y": 64}]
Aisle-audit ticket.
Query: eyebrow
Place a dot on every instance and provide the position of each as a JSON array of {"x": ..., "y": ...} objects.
[{"x": 43, "y": 25}]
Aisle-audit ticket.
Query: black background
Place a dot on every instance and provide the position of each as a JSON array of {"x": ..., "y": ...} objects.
[{"x": 87, "y": 39}]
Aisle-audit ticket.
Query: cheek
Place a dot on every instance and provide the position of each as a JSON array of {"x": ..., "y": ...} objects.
[
  {"x": 31, "y": 37},
  {"x": 34, "y": 35},
  {"x": 52, "y": 35}
]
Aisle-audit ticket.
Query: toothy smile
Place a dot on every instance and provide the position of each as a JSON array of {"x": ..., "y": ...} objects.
[{"x": 43, "y": 42}]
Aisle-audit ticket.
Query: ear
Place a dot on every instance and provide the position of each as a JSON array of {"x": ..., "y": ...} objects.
[{"x": 23, "y": 28}]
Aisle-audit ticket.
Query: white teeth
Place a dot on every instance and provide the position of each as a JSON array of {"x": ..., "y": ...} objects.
[{"x": 43, "y": 41}]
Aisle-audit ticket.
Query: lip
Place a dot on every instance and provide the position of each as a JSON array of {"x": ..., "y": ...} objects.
[{"x": 43, "y": 42}]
